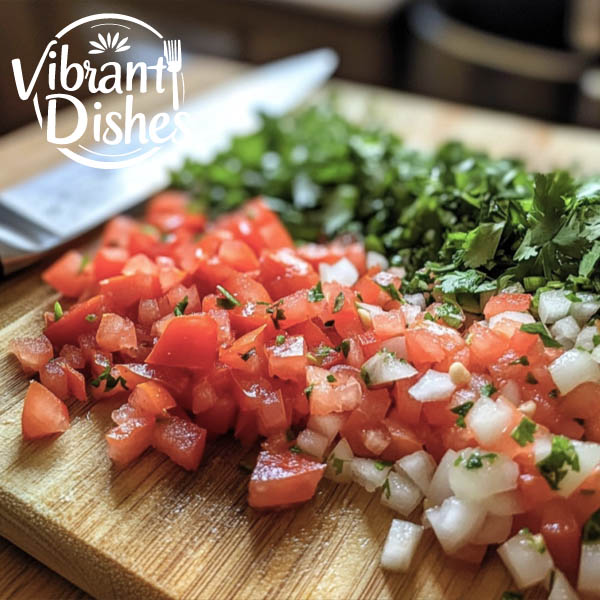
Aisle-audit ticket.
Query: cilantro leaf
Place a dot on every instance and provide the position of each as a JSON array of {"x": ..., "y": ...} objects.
[
  {"x": 180, "y": 307},
  {"x": 554, "y": 467},
  {"x": 523, "y": 432},
  {"x": 316, "y": 294},
  {"x": 540, "y": 329}
]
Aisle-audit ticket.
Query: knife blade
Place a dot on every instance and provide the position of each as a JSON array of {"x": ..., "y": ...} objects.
[{"x": 64, "y": 202}]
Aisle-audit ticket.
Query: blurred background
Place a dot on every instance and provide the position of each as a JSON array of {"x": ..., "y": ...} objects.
[{"x": 534, "y": 57}]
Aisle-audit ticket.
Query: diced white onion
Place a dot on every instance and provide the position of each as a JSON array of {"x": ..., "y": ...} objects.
[
  {"x": 495, "y": 530},
  {"x": 343, "y": 272},
  {"x": 585, "y": 338},
  {"x": 400, "y": 545},
  {"x": 573, "y": 368},
  {"x": 417, "y": 300},
  {"x": 328, "y": 425},
  {"x": 554, "y": 305},
  {"x": 497, "y": 474},
  {"x": 411, "y": 311},
  {"x": 384, "y": 367},
  {"x": 401, "y": 494},
  {"x": 374, "y": 259},
  {"x": 589, "y": 459},
  {"x": 439, "y": 488},
  {"x": 368, "y": 474},
  {"x": 455, "y": 522},
  {"x": 489, "y": 419},
  {"x": 397, "y": 345},
  {"x": 527, "y": 565},
  {"x": 504, "y": 504},
  {"x": 565, "y": 331},
  {"x": 432, "y": 387},
  {"x": 583, "y": 311},
  {"x": 312, "y": 443},
  {"x": 419, "y": 466},
  {"x": 561, "y": 588},
  {"x": 511, "y": 391},
  {"x": 339, "y": 463},
  {"x": 589, "y": 568},
  {"x": 511, "y": 315}
]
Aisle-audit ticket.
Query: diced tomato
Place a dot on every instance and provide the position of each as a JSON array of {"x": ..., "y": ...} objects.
[
  {"x": 181, "y": 440},
  {"x": 118, "y": 232},
  {"x": 407, "y": 409},
  {"x": 583, "y": 402},
  {"x": 125, "y": 290},
  {"x": 403, "y": 440},
  {"x": 43, "y": 413},
  {"x": 272, "y": 416},
  {"x": 109, "y": 262},
  {"x": 32, "y": 353},
  {"x": 562, "y": 535},
  {"x": 238, "y": 255},
  {"x": 127, "y": 441},
  {"x": 81, "y": 319},
  {"x": 534, "y": 490},
  {"x": 69, "y": 274},
  {"x": 287, "y": 357},
  {"x": 283, "y": 272},
  {"x": 423, "y": 346},
  {"x": 486, "y": 346},
  {"x": 151, "y": 398},
  {"x": 220, "y": 418},
  {"x": 73, "y": 356},
  {"x": 116, "y": 333},
  {"x": 189, "y": 341},
  {"x": 585, "y": 500},
  {"x": 246, "y": 353},
  {"x": 506, "y": 302},
  {"x": 53, "y": 376},
  {"x": 283, "y": 479},
  {"x": 76, "y": 383}
]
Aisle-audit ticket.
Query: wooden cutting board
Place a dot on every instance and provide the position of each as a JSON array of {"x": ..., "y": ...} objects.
[{"x": 153, "y": 530}]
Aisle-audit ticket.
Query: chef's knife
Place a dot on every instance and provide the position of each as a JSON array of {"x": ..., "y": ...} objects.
[{"x": 70, "y": 199}]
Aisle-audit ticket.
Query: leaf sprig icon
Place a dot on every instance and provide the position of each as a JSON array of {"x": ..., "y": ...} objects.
[{"x": 110, "y": 42}]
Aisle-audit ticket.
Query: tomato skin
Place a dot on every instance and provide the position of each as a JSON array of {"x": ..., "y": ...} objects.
[
  {"x": 534, "y": 490},
  {"x": 127, "y": 441},
  {"x": 118, "y": 232},
  {"x": 151, "y": 398},
  {"x": 32, "y": 353},
  {"x": 583, "y": 402},
  {"x": 585, "y": 500},
  {"x": 283, "y": 272},
  {"x": 181, "y": 440},
  {"x": 403, "y": 440},
  {"x": 238, "y": 255},
  {"x": 125, "y": 290},
  {"x": 506, "y": 302},
  {"x": 486, "y": 346},
  {"x": 287, "y": 360},
  {"x": 282, "y": 479},
  {"x": 76, "y": 383},
  {"x": 67, "y": 275},
  {"x": 74, "y": 323},
  {"x": 562, "y": 535},
  {"x": 189, "y": 341},
  {"x": 220, "y": 418},
  {"x": 73, "y": 356},
  {"x": 43, "y": 413},
  {"x": 109, "y": 262},
  {"x": 53, "y": 376},
  {"x": 423, "y": 346}
]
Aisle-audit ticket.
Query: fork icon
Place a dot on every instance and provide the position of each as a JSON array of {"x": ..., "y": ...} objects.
[{"x": 172, "y": 52}]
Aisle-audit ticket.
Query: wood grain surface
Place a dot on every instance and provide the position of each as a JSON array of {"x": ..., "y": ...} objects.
[{"x": 153, "y": 530}]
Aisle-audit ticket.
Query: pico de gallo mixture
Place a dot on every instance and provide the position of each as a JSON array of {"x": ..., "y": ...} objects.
[{"x": 478, "y": 420}]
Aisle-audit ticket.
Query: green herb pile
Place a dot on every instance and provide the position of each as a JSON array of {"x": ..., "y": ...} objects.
[{"x": 473, "y": 223}]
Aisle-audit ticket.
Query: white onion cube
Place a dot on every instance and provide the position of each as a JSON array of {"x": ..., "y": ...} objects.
[
  {"x": 439, "y": 488},
  {"x": 565, "y": 331},
  {"x": 455, "y": 522},
  {"x": 432, "y": 387},
  {"x": 573, "y": 368},
  {"x": 401, "y": 545},
  {"x": 419, "y": 466},
  {"x": 312, "y": 443},
  {"x": 342, "y": 272},
  {"x": 553, "y": 305},
  {"x": 585, "y": 338},
  {"x": 339, "y": 463},
  {"x": 489, "y": 419},
  {"x": 385, "y": 368},
  {"x": 370, "y": 474},
  {"x": 589, "y": 568},
  {"x": 400, "y": 494},
  {"x": 511, "y": 315},
  {"x": 527, "y": 559},
  {"x": 583, "y": 311},
  {"x": 561, "y": 588}
]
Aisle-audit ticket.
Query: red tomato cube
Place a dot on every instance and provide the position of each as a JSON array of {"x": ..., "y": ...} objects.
[
  {"x": 181, "y": 440},
  {"x": 116, "y": 333},
  {"x": 151, "y": 398},
  {"x": 127, "y": 441},
  {"x": 32, "y": 353},
  {"x": 43, "y": 413}
]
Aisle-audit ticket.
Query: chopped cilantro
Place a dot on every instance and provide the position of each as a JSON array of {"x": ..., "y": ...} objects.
[
  {"x": 488, "y": 389},
  {"x": 572, "y": 297},
  {"x": 591, "y": 530},
  {"x": 596, "y": 339},
  {"x": 450, "y": 314},
  {"x": 111, "y": 381},
  {"x": 523, "y": 360},
  {"x": 540, "y": 329},
  {"x": 530, "y": 378},
  {"x": 461, "y": 410},
  {"x": 509, "y": 595},
  {"x": 247, "y": 355},
  {"x": 91, "y": 317},
  {"x": 308, "y": 389},
  {"x": 535, "y": 541},
  {"x": 229, "y": 301},
  {"x": 365, "y": 376},
  {"x": 280, "y": 339},
  {"x": 380, "y": 465},
  {"x": 391, "y": 290},
  {"x": 386, "y": 489},
  {"x": 180, "y": 307},
  {"x": 85, "y": 259},
  {"x": 329, "y": 323},
  {"x": 428, "y": 317},
  {"x": 338, "y": 465},
  {"x": 58, "y": 311},
  {"x": 295, "y": 449},
  {"x": 339, "y": 302},
  {"x": 554, "y": 467},
  {"x": 523, "y": 432},
  {"x": 316, "y": 294},
  {"x": 475, "y": 459},
  {"x": 331, "y": 378},
  {"x": 345, "y": 347}
]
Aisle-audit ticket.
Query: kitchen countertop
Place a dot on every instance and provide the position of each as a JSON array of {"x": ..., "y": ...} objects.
[{"x": 422, "y": 122}]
